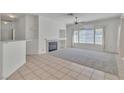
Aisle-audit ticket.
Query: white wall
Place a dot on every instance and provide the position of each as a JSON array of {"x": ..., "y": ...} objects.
[
  {"x": 20, "y": 29},
  {"x": 0, "y": 28},
  {"x": 27, "y": 29},
  {"x": 31, "y": 27},
  {"x": 111, "y": 28},
  {"x": 32, "y": 37},
  {"x": 0, "y": 33},
  {"x": 48, "y": 29},
  {"x": 6, "y": 31},
  {"x": 0, "y": 52},
  {"x": 1, "y": 59},
  {"x": 122, "y": 38}
]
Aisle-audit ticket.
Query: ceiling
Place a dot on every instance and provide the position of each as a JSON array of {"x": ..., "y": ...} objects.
[
  {"x": 82, "y": 17},
  {"x": 64, "y": 17}
]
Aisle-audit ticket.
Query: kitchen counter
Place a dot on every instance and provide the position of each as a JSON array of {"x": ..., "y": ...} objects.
[
  {"x": 12, "y": 56},
  {"x": 11, "y": 41}
]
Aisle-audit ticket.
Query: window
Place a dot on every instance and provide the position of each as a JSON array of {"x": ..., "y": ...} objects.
[
  {"x": 86, "y": 36},
  {"x": 89, "y": 36},
  {"x": 75, "y": 36},
  {"x": 99, "y": 36}
]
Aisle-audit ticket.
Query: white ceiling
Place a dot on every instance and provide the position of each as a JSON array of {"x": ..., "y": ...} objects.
[
  {"x": 82, "y": 17},
  {"x": 67, "y": 19}
]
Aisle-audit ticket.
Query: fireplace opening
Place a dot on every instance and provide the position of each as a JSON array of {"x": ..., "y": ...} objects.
[{"x": 52, "y": 46}]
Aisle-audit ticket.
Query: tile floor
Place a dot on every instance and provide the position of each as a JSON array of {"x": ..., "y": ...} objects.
[{"x": 46, "y": 67}]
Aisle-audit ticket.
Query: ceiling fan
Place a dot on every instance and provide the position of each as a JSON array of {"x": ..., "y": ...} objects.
[{"x": 75, "y": 17}]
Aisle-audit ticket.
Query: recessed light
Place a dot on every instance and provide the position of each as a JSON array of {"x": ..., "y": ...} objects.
[
  {"x": 123, "y": 58},
  {"x": 11, "y": 16},
  {"x": 5, "y": 22}
]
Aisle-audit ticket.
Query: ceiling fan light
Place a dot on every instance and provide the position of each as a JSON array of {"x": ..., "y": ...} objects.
[{"x": 76, "y": 22}]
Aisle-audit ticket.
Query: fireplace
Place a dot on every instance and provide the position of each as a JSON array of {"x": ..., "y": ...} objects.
[{"x": 52, "y": 45}]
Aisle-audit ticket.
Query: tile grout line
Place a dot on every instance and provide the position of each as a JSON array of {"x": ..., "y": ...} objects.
[{"x": 91, "y": 74}]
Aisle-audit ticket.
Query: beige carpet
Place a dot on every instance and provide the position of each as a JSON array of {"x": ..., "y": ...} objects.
[{"x": 99, "y": 60}]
